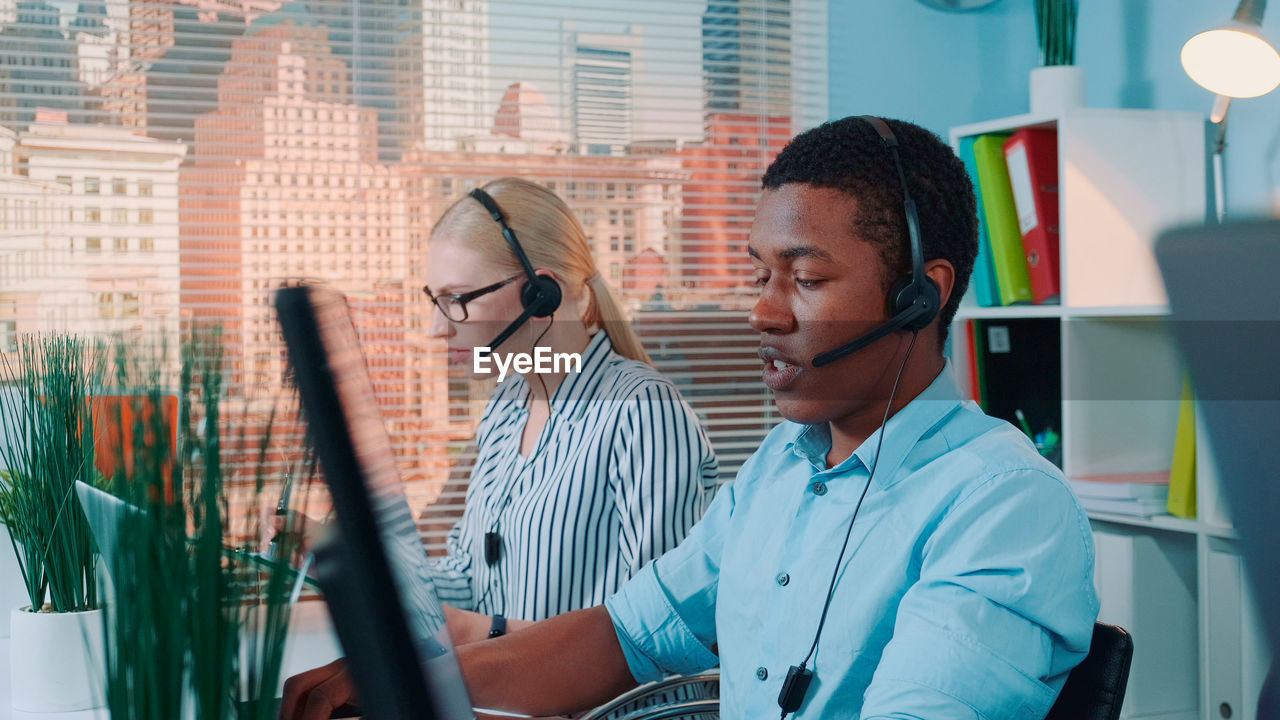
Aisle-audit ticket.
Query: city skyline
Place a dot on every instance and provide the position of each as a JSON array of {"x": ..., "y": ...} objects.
[{"x": 298, "y": 152}]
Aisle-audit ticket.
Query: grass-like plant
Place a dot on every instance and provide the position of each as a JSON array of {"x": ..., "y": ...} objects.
[
  {"x": 193, "y": 629},
  {"x": 1056, "y": 29},
  {"x": 46, "y": 417}
]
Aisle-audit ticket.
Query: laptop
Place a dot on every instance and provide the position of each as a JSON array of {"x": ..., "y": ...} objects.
[
  {"x": 1221, "y": 281},
  {"x": 105, "y": 511},
  {"x": 374, "y": 570}
]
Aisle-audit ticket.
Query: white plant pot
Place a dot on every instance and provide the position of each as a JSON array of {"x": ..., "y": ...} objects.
[
  {"x": 13, "y": 591},
  {"x": 56, "y": 661},
  {"x": 1056, "y": 89}
]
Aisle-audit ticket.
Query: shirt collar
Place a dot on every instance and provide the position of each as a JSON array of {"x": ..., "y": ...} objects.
[
  {"x": 940, "y": 399},
  {"x": 578, "y": 388}
]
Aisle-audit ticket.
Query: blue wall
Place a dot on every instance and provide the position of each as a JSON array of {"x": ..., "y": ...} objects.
[{"x": 899, "y": 58}]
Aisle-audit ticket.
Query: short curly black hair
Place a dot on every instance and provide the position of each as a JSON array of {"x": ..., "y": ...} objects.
[{"x": 849, "y": 155}]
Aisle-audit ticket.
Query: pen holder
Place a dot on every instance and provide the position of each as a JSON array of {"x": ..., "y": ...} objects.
[{"x": 1051, "y": 452}]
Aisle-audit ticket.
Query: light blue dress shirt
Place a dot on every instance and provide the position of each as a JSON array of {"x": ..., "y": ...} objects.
[{"x": 966, "y": 592}]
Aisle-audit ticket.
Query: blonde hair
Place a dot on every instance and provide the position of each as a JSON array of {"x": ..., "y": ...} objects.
[{"x": 553, "y": 239}]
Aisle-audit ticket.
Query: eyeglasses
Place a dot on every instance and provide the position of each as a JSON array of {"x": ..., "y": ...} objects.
[{"x": 454, "y": 305}]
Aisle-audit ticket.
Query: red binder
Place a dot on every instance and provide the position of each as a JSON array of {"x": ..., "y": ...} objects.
[{"x": 1032, "y": 157}]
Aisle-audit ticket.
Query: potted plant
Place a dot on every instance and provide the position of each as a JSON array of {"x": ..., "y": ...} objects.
[
  {"x": 47, "y": 423},
  {"x": 1058, "y": 85},
  {"x": 193, "y": 628}
]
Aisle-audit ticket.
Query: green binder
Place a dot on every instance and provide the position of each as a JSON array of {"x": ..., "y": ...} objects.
[{"x": 1007, "y": 256}]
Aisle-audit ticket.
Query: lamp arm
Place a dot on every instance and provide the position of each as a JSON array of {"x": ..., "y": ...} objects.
[
  {"x": 1221, "y": 106},
  {"x": 1250, "y": 12}
]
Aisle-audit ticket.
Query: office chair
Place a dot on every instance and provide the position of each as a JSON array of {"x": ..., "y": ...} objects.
[
  {"x": 687, "y": 697},
  {"x": 1095, "y": 688}
]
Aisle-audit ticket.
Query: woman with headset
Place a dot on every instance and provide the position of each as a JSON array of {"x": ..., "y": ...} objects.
[{"x": 583, "y": 476}]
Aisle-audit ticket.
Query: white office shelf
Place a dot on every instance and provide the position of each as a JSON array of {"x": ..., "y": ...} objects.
[
  {"x": 1175, "y": 584},
  {"x": 1018, "y": 312},
  {"x": 1011, "y": 312},
  {"x": 1155, "y": 522},
  {"x": 1002, "y": 125},
  {"x": 1168, "y": 522},
  {"x": 1118, "y": 311}
]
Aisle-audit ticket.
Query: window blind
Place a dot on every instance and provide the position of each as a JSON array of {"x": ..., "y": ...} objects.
[{"x": 171, "y": 162}]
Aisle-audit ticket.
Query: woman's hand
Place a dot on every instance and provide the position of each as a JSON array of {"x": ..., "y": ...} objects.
[
  {"x": 306, "y": 529},
  {"x": 466, "y": 627}
]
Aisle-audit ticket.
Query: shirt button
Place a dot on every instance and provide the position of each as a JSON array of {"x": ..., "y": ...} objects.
[
  {"x": 783, "y": 579},
  {"x": 819, "y": 488},
  {"x": 762, "y": 673}
]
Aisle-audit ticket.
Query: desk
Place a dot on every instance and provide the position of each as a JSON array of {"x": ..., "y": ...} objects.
[{"x": 311, "y": 644}]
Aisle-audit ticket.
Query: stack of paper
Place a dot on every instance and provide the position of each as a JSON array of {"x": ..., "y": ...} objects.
[{"x": 1139, "y": 494}]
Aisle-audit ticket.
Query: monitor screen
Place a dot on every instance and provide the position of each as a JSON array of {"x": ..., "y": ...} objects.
[{"x": 359, "y": 466}]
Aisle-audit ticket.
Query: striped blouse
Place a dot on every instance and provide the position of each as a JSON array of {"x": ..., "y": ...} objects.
[{"x": 620, "y": 473}]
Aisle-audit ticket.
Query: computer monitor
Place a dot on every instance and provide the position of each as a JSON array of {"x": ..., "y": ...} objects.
[
  {"x": 1221, "y": 281},
  {"x": 374, "y": 571}
]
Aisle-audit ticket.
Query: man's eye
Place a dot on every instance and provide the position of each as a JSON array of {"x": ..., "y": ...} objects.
[
  {"x": 807, "y": 283},
  {"x": 760, "y": 280}
]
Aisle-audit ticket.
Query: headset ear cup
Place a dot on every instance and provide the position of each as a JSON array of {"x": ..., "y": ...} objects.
[
  {"x": 903, "y": 295},
  {"x": 540, "y": 296}
]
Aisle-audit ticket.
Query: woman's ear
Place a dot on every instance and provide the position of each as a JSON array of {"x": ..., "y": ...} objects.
[{"x": 544, "y": 272}]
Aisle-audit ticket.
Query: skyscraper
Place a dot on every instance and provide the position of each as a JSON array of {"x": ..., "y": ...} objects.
[
  {"x": 599, "y": 70},
  {"x": 746, "y": 66},
  {"x": 382, "y": 43},
  {"x": 38, "y": 65},
  {"x": 176, "y": 53},
  {"x": 455, "y": 71},
  {"x": 746, "y": 56},
  {"x": 286, "y": 184}
]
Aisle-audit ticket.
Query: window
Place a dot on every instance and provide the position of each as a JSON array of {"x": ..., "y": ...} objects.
[
  {"x": 339, "y": 180},
  {"x": 9, "y": 335}
]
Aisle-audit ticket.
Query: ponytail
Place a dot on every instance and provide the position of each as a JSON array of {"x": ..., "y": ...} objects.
[{"x": 605, "y": 313}]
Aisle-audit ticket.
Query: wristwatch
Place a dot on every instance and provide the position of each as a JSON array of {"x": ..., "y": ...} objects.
[{"x": 499, "y": 627}]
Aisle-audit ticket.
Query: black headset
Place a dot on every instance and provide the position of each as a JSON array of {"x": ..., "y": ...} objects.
[
  {"x": 914, "y": 300},
  {"x": 540, "y": 295}
]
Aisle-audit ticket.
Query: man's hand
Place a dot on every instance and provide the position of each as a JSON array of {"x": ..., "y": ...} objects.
[{"x": 315, "y": 694}]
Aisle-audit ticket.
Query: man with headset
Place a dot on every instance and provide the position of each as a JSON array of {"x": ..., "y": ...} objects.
[{"x": 889, "y": 551}]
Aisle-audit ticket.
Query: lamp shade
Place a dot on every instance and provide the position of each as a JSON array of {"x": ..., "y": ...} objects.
[{"x": 1235, "y": 61}]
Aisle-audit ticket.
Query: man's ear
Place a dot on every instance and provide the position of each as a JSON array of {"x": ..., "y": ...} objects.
[{"x": 944, "y": 274}]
